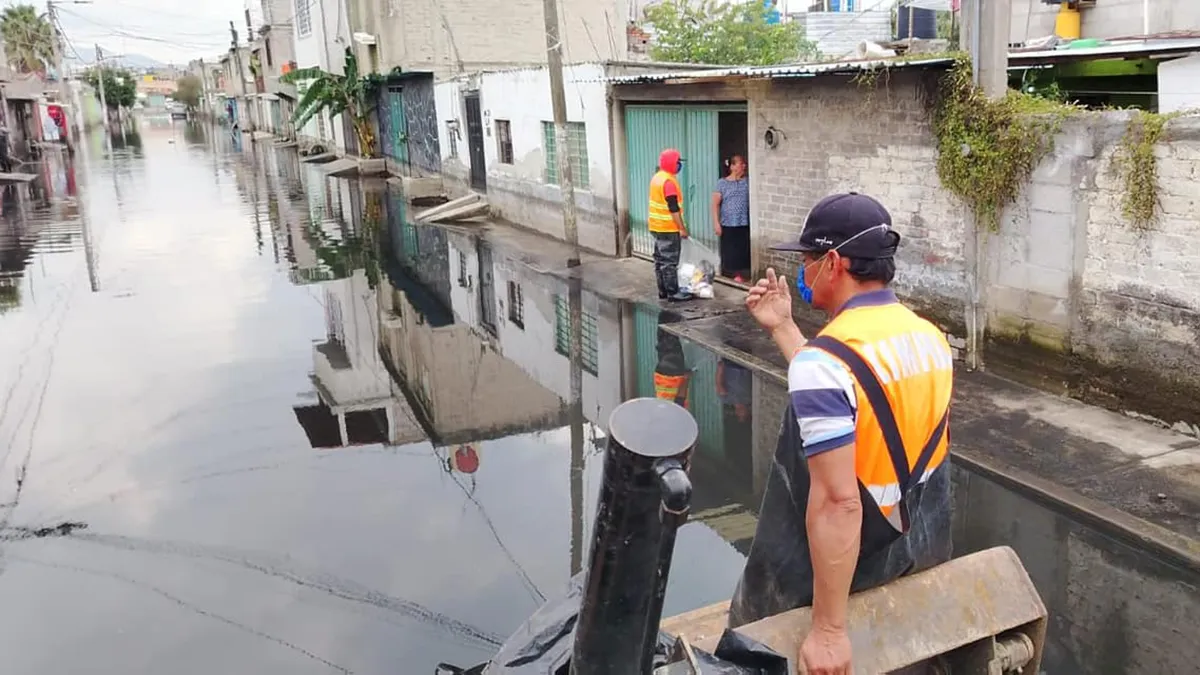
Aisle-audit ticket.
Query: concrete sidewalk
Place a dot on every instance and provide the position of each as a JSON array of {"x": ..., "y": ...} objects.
[{"x": 1132, "y": 479}]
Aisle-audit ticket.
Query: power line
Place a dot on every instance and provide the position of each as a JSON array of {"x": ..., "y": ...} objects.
[{"x": 116, "y": 31}]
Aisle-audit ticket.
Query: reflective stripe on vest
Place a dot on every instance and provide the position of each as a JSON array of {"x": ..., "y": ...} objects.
[
  {"x": 667, "y": 387},
  {"x": 913, "y": 366},
  {"x": 660, "y": 218}
]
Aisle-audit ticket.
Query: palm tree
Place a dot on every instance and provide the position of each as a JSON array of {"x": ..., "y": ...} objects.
[
  {"x": 29, "y": 39},
  {"x": 347, "y": 94}
]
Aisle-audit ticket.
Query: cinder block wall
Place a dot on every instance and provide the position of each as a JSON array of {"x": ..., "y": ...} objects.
[
  {"x": 1065, "y": 275},
  {"x": 839, "y": 33},
  {"x": 839, "y": 136}
]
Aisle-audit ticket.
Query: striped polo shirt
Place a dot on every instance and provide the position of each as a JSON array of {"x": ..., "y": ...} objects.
[{"x": 822, "y": 390}]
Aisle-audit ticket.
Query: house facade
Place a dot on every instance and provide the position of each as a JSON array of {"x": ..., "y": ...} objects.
[
  {"x": 237, "y": 84},
  {"x": 450, "y": 69},
  {"x": 321, "y": 34},
  {"x": 273, "y": 55}
]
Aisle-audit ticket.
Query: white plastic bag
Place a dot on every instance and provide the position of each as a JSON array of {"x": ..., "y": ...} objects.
[{"x": 697, "y": 267}]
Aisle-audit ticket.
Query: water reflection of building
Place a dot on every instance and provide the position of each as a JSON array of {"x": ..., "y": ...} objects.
[
  {"x": 466, "y": 390},
  {"x": 357, "y": 403},
  {"x": 462, "y": 383},
  {"x": 526, "y": 315},
  {"x": 523, "y": 315}
]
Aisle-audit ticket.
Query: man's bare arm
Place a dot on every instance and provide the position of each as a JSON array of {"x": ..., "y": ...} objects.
[
  {"x": 834, "y": 521},
  {"x": 789, "y": 339}
]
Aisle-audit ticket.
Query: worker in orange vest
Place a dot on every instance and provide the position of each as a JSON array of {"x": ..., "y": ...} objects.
[
  {"x": 671, "y": 374},
  {"x": 859, "y": 492},
  {"x": 666, "y": 224}
]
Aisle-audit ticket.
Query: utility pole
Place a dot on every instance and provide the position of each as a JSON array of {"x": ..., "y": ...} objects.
[
  {"x": 562, "y": 146},
  {"x": 250, "y": 45},
  {"x": 100, "y": 86},
  {"x": 237, "y": 65},
  {"x": 64, "y": 89},
  {"x": 986, "y": 25}
]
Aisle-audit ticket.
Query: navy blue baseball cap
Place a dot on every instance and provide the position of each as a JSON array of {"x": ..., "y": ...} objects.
[{"x": 856, "y": 225}]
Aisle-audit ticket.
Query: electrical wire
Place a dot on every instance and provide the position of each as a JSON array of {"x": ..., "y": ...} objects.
[{"x": 116, "y": 31}]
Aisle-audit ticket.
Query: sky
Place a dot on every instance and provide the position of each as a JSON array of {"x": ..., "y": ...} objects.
[{"x": 171, "y": 31}]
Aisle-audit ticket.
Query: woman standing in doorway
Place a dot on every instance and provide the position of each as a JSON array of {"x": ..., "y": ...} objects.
[{"x": 731, "y": 218}]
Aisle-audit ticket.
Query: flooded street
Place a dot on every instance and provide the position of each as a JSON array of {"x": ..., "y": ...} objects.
[
  {"x": 194, "y": 375},
  {"x": 255, "y": 419}
]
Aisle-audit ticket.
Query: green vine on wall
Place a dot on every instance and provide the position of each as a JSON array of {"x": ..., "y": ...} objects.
[
  {"x": 988, "y": 148},
  {"x": 1137, "y": 167}
]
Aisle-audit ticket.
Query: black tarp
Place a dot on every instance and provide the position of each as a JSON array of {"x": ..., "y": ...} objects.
[{"x": 542, "y": 646}]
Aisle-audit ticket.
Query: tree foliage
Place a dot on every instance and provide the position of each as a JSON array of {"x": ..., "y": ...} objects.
[
  {"x": 350, "y": 94},
  {"x": 727, "y": 33},
  {"x": 188, "y": 91},
  {"x": 29, "y": 38},
  {"x": 120, "y": 86}
]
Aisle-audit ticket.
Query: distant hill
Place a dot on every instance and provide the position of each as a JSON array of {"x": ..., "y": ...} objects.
[{"x": 87, "y": 57}]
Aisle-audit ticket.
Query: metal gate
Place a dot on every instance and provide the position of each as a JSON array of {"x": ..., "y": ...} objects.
[
  {"x": 693, "y": 130},
  {"x": 394, "y": 127},
  {"x": 475, "y": 143}
]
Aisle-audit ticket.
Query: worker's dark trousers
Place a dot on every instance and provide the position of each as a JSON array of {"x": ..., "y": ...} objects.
[{"x": 666, "y": 262}]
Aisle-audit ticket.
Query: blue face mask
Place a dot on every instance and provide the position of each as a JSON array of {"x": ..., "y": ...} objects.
[{"x": 806, "y": 292}]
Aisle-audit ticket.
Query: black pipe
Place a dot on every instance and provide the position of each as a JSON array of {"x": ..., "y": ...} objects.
[{"x": 645, "y": 495}]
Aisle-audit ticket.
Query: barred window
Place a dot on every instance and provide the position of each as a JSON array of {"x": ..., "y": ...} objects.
[
  {"x": 577, "y": 143},
  {"x": 303, "y": 17},
  {"x": 562, "y": 334}
]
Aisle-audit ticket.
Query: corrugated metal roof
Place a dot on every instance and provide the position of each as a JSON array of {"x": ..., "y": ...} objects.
[
  {"x": 1152, "y": 47},
  {"x": 795, "y": 70}
]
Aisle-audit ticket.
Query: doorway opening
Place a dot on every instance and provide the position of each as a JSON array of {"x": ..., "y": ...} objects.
[{"x": 734, "y": 191}]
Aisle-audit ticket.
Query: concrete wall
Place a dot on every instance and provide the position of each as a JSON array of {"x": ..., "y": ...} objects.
[
  {"x": 1065, "y": 274},
  {"x": 1179, "y": 84},
  {"x": 323, "y": 47},
  {"x": 1113, "y": 608},
  {"x": 1107, "y": 19},
  {"x": 452, "y": 135},
  {"x": 476, "y": 35},
  {"x": 839, "y": 33},
  {"x": 519, "y": 192}
]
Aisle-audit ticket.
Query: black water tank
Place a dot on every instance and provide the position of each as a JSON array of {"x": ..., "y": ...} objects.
[{"x": 924, "y": 23}]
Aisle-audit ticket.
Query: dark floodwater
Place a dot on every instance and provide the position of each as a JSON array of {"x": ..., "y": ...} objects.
[
  {"x": 308, "y": 436},
  {"x": 194, "y": 370}
]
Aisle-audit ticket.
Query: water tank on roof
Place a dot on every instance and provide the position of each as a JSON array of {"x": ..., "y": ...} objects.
[
  {"x": 924, "y": 23},
  {"x": 842, "y": 5}
]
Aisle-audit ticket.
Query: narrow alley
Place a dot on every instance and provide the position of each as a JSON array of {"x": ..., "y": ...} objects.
[{"x": 256, "y": 419}]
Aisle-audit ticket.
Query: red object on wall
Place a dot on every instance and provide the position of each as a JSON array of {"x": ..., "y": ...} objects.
[
  {"x": 465, "y": 459},
  {"x": 60, "y": 118}
]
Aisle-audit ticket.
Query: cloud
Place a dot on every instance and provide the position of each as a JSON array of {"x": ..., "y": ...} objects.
[{"x": 174, "y": 31}]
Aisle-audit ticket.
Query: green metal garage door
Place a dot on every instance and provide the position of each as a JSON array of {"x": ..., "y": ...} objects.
[{"x": 692, "y": 129}]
